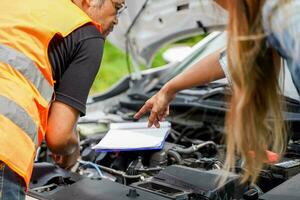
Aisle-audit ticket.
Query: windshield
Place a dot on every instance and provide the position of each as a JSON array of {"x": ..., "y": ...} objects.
[{"x": 209, "y": 44}]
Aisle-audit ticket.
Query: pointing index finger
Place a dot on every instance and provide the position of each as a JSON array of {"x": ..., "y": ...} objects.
[{"x": 141, "y": 112}]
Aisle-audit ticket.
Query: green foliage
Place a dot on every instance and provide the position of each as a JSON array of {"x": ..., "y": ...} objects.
[
  {"x": 158, "y": 59},
  {"x": 192, "y": 40},
  {"x": 114, "y": 67}
]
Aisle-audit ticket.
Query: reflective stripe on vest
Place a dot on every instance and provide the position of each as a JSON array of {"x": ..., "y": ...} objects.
[
  {"x": 19, "y": 116},
  {"x": 26, "y": 28},
  {"x": 28, "y": 69}
]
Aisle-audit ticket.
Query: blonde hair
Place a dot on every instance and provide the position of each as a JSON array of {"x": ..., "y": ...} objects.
[{"x": 254, "y": 68}]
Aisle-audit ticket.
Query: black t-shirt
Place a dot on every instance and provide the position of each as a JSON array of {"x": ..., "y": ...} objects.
[{"x": 75, "y": 61}]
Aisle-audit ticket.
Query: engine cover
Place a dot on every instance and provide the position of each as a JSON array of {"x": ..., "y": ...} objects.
[
  {"x": 288, "y": 190},
  {"x": 180, "y": 182}
]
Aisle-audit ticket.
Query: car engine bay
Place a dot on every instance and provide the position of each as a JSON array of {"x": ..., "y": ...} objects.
[{"x": 188, "y": 167}]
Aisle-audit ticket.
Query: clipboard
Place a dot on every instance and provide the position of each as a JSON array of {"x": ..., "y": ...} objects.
[{"x": 133, "y": 136}]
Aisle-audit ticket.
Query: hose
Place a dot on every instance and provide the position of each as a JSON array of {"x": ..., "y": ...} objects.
[
  {"x": 176, "y": 156},
  {"x": 193, "y": 148},
  {"x": 93, "y": 165},
  {"x": 116, "y": 172}
]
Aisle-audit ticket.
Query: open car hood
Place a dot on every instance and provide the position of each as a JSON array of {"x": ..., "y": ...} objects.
[{"x": 147, "y": 25}]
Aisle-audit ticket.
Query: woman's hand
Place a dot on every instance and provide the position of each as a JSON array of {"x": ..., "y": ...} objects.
[
  {"x": 206, "y": 70},
  {"x": 158, "y": 105}
]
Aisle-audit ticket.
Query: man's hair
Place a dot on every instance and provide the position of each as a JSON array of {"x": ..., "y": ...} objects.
[{"x": 98, "y": 2}]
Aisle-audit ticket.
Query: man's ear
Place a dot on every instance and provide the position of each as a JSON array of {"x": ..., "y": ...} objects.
[
  {"x": 83, "y": 4},
  {"x": 87, "y": 3}
]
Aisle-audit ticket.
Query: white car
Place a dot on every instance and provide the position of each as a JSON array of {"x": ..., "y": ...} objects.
[{"x": 190, "y": 162}]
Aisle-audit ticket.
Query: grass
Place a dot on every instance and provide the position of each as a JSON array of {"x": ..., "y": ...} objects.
[{"x": 114, "y": 67}]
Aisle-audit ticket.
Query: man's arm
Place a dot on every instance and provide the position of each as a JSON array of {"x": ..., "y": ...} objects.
[
  {"x": 205, "y": 71},
  {"x": 75, "y": 61},
  {"x": 62, "y": 138}
]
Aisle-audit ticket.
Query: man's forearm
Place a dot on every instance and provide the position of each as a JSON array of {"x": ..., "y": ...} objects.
[
  {"x": 67, "y": 146},
  {"x": 61, "y": 135},
  {"x": 72, "y": 144}
]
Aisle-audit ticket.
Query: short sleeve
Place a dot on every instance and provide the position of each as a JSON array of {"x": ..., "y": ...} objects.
[
  {"x": 224, "y": 65},
  {"x": 282, "y": 25},
  {"x": 79, "y": 76},
  {"x": 75, "y": 61}
]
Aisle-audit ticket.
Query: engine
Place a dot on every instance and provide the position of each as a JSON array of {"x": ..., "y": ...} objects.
[{"x": 188, "y": 167}]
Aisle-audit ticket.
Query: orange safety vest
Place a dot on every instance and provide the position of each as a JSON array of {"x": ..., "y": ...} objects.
[{"x": 26, "y": 83}]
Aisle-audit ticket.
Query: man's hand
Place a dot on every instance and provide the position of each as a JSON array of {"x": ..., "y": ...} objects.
[
  {"x": 158, "y": 105},
  {"x": 66, "y": 161}
]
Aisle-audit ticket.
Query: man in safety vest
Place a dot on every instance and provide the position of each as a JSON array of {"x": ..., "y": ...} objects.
[{"x": 50, "y": 53}]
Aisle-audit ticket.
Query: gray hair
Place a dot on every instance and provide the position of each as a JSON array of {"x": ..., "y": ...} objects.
[{"x": 97, "y": 2}]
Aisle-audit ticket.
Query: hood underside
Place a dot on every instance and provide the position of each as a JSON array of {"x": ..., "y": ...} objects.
[{"x": 147, "y": 25}]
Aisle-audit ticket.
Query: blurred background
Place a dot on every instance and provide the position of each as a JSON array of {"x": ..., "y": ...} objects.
[{"x": 114, "y": 66}]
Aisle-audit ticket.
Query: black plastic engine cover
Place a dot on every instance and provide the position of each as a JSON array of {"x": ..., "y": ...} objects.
[
  {"x": 47, "y": 173},
  {"x": 86, "y": 189},
  {"x": 288, "y": 190},
  {"x": 50, "y": 182},
  {"x": 179, "y": 182}
]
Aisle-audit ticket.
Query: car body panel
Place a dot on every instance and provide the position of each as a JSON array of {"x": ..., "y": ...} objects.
[{"x": 161, "y": 22}]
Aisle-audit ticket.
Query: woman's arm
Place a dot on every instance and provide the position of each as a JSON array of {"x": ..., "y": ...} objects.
[{"x": 205, "y": 71}]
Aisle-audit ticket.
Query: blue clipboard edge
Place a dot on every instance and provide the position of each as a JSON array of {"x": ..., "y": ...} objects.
[{"x": 135, "y": 149}]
